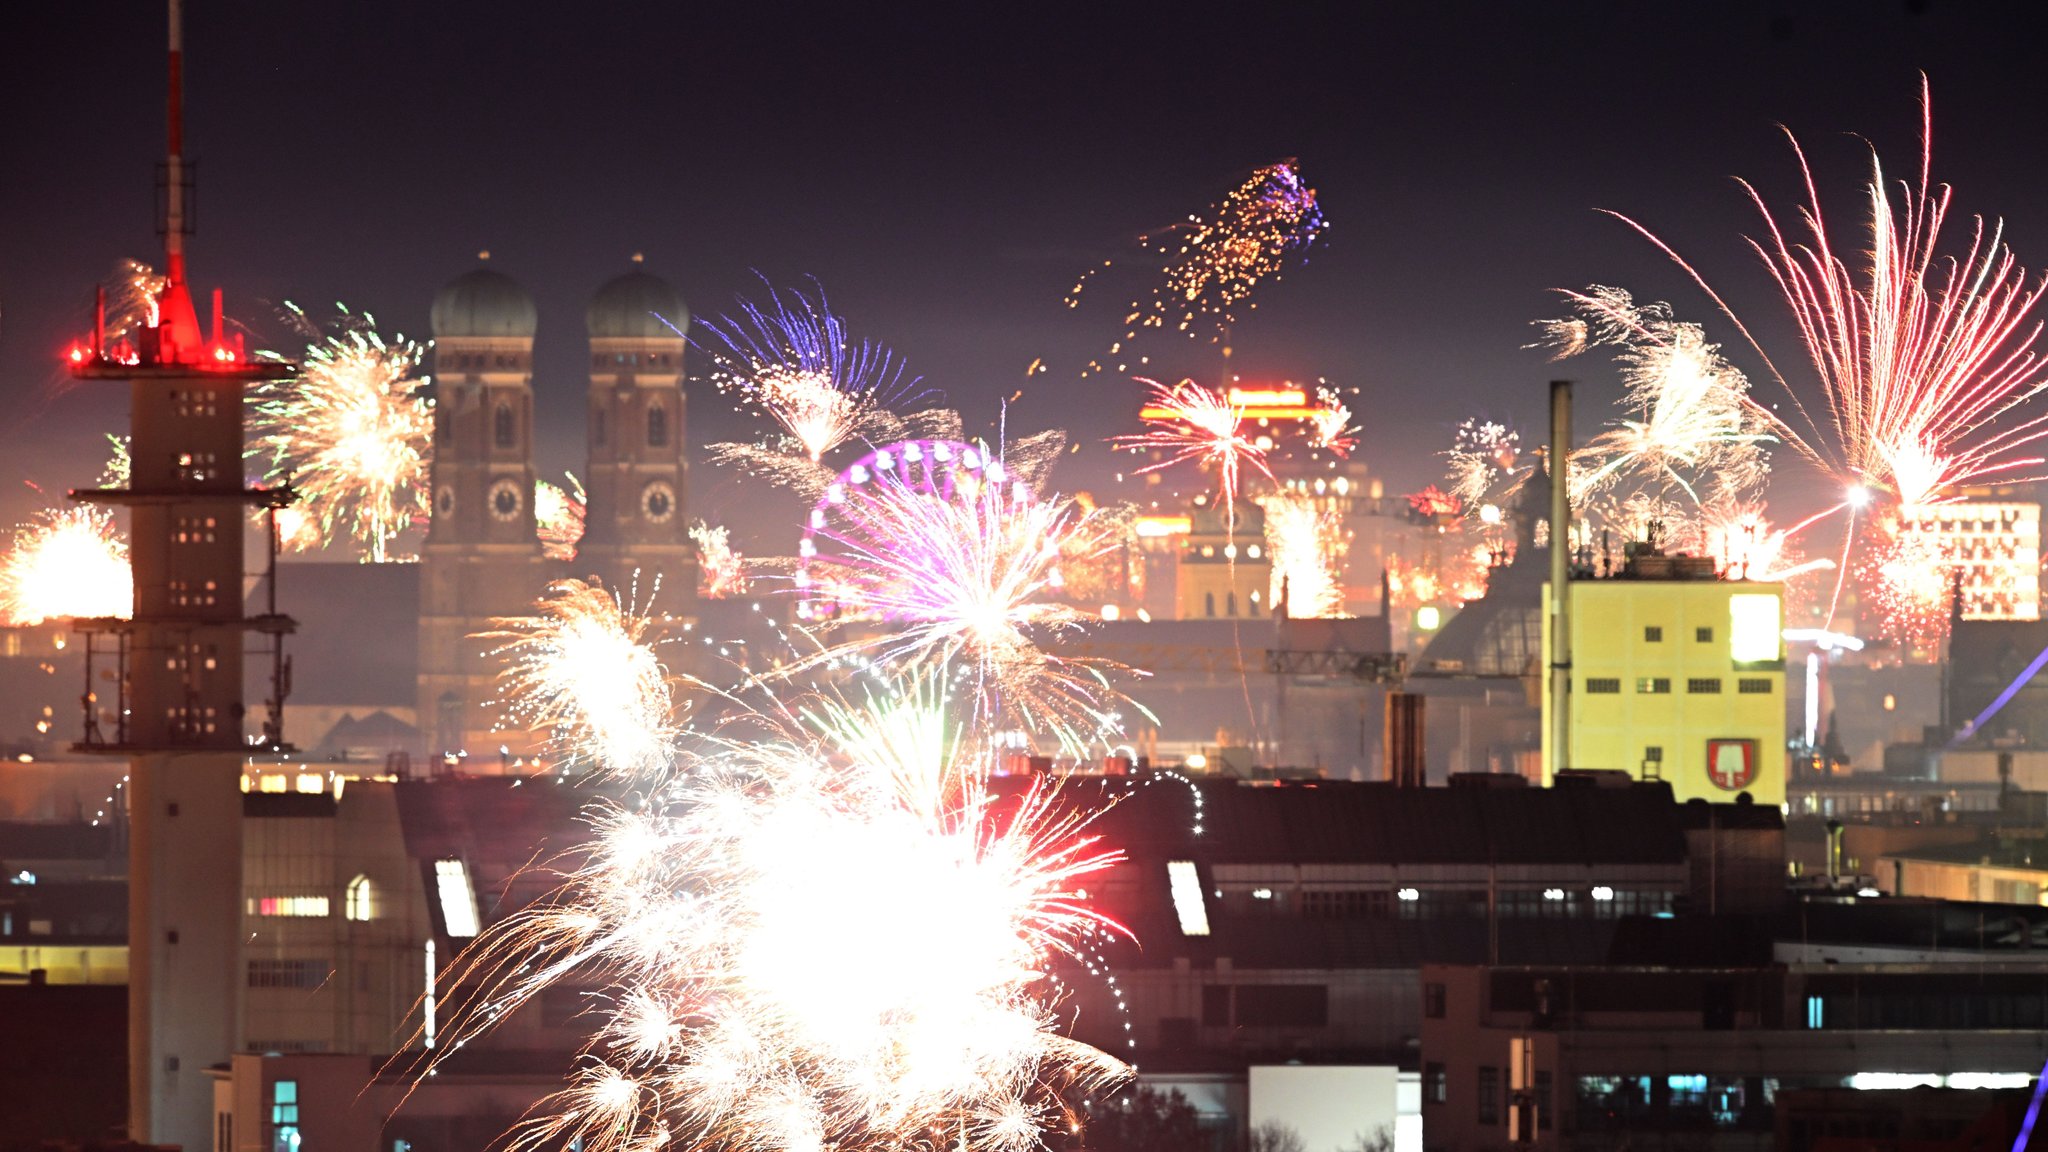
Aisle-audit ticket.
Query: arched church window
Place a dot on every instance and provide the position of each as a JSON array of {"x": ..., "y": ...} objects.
[
  {"x": 359, "y": 901},
  {"x": 657, "y": 427},
  {"x": 597, "y": 425},
  {"x": 501, "y": 426}
]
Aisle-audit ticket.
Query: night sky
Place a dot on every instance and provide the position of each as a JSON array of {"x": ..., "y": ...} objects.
[{"x": 946, "y": 172}]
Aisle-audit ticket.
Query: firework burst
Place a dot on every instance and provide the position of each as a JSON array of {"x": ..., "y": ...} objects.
[
  {"x": 1191, "y": 423},
  {"x": 795, "y": 362},
  {"x": 1484, "y": 458},
  {"x": 352, "y": 433},
  {"x": 583, "y": 672},
  {"x": 963, "y": 562},
  {"x": 1330, "y": 425},
  {"x": 721, "y": 572},
  {"x": 66, "y": 564},
  {"x": 1213, "y": 262},
  {"x": 1305, "y": 539},
  {"x": 798, "y": 834},
  {"x": 1691, "y": 428},
  {"x": 558, "y": 515},
  {"x": 1922, "y": 359}
]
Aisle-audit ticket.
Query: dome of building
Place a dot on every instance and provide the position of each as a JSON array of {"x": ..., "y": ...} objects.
[
  {"x": 635, "y": 306},
  {"x": 484, "y": 303}
]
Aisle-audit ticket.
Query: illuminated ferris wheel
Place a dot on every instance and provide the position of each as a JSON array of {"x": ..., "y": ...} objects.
[{"x": 850, "y": 519}]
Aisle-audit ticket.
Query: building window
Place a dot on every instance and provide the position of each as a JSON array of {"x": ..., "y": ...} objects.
[
  {"x": 1707, "y": 686},
  {"x": 597, "y": 426},
  {"x": 501, "y": 426},
  {"x": 1816, "y": 1012},
  {"x": 1436, "y": 1084},
  {"x": 1542, "y": 1094},
  {"x": 359, "y": 903},
  {"x": 1703, "y": 635},
  {"x": 1230, "y": 603},
  {"x": 1282, "y": 1005},
  {"x": 457, "y": 898},
  {"x": 1209, "y": 604},
  {"x": 1754, "y": 685},
  {"x": 1433, "y": 1001},
  {"x": 284, "y": 1116},
  {"x": 1653, "y": 634},
  {"x": 657, "y": 427},
  {"x": 1653, "y": 685},
  {"x": 1343, "y": 903},
  {"x": 1603, "y": 685},
  {"x": 223, "y": 1132},
  {"x": 1489, "y": 1095}
]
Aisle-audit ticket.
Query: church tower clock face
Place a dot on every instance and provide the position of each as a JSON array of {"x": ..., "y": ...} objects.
[
  {"x": 658, "y": 502},
  {"x": 507, "y": 500}
]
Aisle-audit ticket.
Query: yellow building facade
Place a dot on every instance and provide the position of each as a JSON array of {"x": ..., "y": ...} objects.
[{"x": 1680, "y": 680}]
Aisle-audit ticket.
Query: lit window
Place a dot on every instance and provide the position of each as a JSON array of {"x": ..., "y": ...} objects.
[
  {"x": 1262, "y": 893},
  {"x": 1754, "y": 626},
  {"x": 458, "y": 898},
  {"x": 1409, "y": 894},
  {"x": 1816, "y": 1012},
  {"x": 359, "y": 902},
  {"x": 1186, "y": 887},
  {"x": 1553, "y": 893},
  {"x": 1603, "y": 892},
  {"x": 1891, "y": 702},
  {"x": 284, "y": 1116},
  {"x": 299, "y": 906}
]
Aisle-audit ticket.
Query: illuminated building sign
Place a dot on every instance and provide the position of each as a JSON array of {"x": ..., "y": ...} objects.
[
  {"x": 1731, "y": 764},
  {"x": 1994, "y": 550}
]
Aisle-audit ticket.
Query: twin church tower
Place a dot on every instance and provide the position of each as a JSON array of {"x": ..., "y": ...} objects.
[{"x": 482, "y": 558}]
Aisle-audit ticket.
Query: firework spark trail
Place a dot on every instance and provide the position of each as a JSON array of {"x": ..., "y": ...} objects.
[
  {"x": 351, "y": 433},
  {"x": 795, "y": 361},
  {"x": 1691, "y": 427},
  {"x": 721, "y": 572},
  {"x": 1213, "y": 263},
  {"x": 967, "y": 576},
  {"x": 1484, "y": 455},
  {"x": 1922, "y": 360},
  {"x": 1193, "y": 423},
  {"x": 66, "y": 564},
  {"x": 1305, "y": 540},
  {"x": 1745, "y": 545},
  {"x": 583, "y": 672},
  {"x": 1330, "y": 426},
  {"x": 862, "y": 831},
  {"x": 559, "y": 511},
  {"x": 119, "y": 466}
]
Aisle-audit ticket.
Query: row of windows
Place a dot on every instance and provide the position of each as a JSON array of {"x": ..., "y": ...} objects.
[
  {"x": 1661, "y": 685},
  {"x": 288, "y": 973},
  {"x": 1229, "y": 604},
  {"x": 1602, "y": 901},
  {"x": 505, "y": 429},
  {"x": 482, "y": 360},
  {"x": 1654, "y": 634},
  {"x": 602, "y": 360},
  {"x": 193, "y": 402},
  {"x": 1436, "y": 1089},
  {"x": 194, "y": 530},
  {"x": 359, "y": 902}
]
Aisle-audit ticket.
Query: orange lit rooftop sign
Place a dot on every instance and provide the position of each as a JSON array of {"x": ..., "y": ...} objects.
[
  {"x": 1286, "y": 402},
  {"x": 1156, "y": 527}
]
